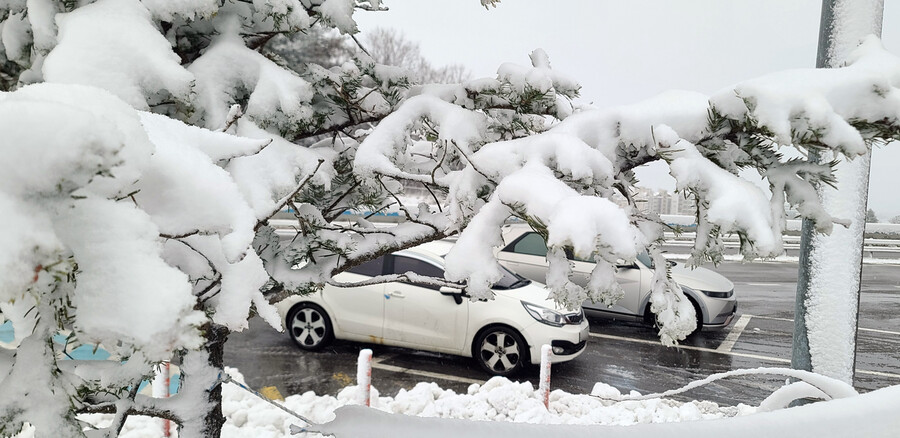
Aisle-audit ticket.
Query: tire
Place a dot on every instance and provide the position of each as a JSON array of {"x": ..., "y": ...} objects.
[
  {"x": 699, "y": 314},
  {"x": 309, "y": 327},
  {"x": 500, "y": 350},
  {"x": 650, "y": 318}
]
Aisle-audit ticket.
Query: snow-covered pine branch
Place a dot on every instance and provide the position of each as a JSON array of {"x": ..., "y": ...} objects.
[
  {"x": 135, "y": 229},
  {"x": 139, "y": 220},
  {"x": 562, "y": 178}
]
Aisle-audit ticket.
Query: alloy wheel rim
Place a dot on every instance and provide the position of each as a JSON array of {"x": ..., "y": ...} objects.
[
  {"x": 500, "y": 351},
  {"x": 308, "y": 327}
]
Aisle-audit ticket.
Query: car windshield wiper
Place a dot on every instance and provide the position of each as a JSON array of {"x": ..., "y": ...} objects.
[{"x": 519, "y": 283}]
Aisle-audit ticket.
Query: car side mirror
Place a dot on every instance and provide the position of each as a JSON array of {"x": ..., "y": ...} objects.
[{"x": 457, "y": 294}]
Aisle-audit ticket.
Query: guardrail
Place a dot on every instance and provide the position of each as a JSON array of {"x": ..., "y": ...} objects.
[
  {"x": 288, "y": 228},
  {"x": 870, "y": 245}
]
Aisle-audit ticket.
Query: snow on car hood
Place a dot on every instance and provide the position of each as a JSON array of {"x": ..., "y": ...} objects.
[{"x": 700, "y": 279}]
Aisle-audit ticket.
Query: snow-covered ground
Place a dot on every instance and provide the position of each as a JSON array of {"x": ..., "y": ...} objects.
[{"x": 501, "y": 400}]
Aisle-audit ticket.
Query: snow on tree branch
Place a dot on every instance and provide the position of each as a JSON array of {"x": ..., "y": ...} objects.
[
  {"x": 704, "y": 140},
  {"x": 114, "y": 45},
  {"x": 177, "y": 133}
]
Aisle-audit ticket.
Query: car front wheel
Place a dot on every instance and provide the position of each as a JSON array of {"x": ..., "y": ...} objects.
[
  {"x": 310, "y": 327},
  {"x": 501, "y": 351}
]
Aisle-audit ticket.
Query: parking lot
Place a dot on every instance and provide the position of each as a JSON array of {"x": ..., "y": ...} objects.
[{"x": 626, "y": 355}]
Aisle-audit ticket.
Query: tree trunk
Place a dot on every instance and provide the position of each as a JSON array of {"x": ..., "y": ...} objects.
[
  {"x": 216, "y": 336},
  {"x": 202, "y": 372}
]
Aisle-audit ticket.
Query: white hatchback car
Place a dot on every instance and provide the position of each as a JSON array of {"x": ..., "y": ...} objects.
[
  {"x": 711, "y": 294},
  {"x": 503, "y": 334}
]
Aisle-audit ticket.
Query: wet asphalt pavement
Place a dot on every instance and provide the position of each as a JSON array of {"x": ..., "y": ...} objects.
[{"x": 626, "y": 355}]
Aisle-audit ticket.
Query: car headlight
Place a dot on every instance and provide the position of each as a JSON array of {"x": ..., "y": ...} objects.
[
  {"x": 714, "y": 294},
  {"x": 545, "y": 315},
  {"x": 711, "y": 294}
]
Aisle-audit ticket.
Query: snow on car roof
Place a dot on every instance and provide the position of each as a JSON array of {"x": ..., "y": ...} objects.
[{"x": 437, "y": 249}]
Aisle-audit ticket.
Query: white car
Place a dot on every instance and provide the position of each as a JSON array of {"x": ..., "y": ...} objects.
[
  {"x": 711, "y": 294},
  {"x": 503, "y": 334}
]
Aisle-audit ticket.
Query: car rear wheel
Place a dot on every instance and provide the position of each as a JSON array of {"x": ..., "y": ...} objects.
[
  {"x": 309, "y": 326},
  {"x": 501, "y": 351}
]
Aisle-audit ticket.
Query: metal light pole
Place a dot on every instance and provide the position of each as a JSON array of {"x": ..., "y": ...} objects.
[{"x": 843, "y": 24}]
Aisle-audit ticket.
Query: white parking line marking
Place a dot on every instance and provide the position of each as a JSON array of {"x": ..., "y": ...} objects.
[
  {"x": 772, "y": 318},
  {"x": 691, "y": 347},
  {"x": 885, "y": 332},
  {"x": 734, "y": 334},
  {"x": 742, "y": 321},
  {"x": 730, "y": 353},
  {"x": 763, "y": 284},
  {"x": 376, "y": 364},
  {"x": 427, "y": 374},
  {"x": 878, "y": 373}
]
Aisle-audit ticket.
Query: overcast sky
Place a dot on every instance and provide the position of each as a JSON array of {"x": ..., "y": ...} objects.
[{"x": 624, "y": 51}]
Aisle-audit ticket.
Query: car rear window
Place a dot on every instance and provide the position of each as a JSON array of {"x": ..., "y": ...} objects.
[
  {"x": 408, "y": 264},
  {"x": 371, "y": 268},
  {"x": 530, "y": 243}
]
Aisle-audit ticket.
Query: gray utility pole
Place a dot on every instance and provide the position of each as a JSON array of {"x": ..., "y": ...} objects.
[{"x": 828, "y": 283}]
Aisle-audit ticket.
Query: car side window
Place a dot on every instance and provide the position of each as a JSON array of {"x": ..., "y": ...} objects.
[
  {"x": 370, "y": 268},
  {"x": 408, "y": 264},
  {"x": 530, "y": 244}
]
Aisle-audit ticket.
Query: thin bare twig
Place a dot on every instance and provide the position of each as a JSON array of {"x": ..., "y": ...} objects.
[
  {"x": 290, "y": 197},
  {"x": 208, "y": 261},
  {"x": 359, "y": 44},
  {"x": 378, "y": 210},
  {"x": 217, "y": 280},
  {"x": 341, "y": 198},
  {"x": 179, "y": 236},
  {"x": 400, "y": 204},
  {"x": 472, "y": 163},
  {"x": 433, "y": 196},
  {"x": 338, "y": 127}
]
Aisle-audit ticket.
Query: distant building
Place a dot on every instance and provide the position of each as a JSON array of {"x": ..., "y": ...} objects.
[{"x": 664, "y": 202}]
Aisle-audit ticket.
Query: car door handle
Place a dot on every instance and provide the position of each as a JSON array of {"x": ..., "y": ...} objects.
[{"x": 397, "y": 294}]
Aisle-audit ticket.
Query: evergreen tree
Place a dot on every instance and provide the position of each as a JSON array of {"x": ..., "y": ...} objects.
[
  {"x": 140, "y": 221},
  {"x": 870, "y": 216}
]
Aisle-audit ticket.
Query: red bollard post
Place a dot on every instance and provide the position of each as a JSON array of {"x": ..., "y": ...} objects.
[
  {"x": 161, "y": 390},
  {"x": 544, "y": 385},
  {"x": 364, "y": 375}
]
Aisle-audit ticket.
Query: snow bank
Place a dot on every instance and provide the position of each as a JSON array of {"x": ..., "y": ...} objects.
[
  {"x": 503, "y": 408},
  {"x": 871, "y": 415}
]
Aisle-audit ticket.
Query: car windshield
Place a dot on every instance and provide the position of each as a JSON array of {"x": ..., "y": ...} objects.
[
  {"x": 645, "y": 259},
  {"x": 510, "y": 280}
]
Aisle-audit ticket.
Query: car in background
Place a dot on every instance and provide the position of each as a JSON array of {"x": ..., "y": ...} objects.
[
  {"x": 711, "y": 294},
  {"x": 503, "y": 335}
]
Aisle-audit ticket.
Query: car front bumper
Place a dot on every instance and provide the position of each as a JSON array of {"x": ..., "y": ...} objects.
[
  {"x": 571, "y": 339},
  {"x": 723, "y": 318}
]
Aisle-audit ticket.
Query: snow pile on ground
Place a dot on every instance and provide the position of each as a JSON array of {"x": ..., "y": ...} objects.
[
  {"x": 503, "y": 408},
  {"x": 499, "y": 399}
]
